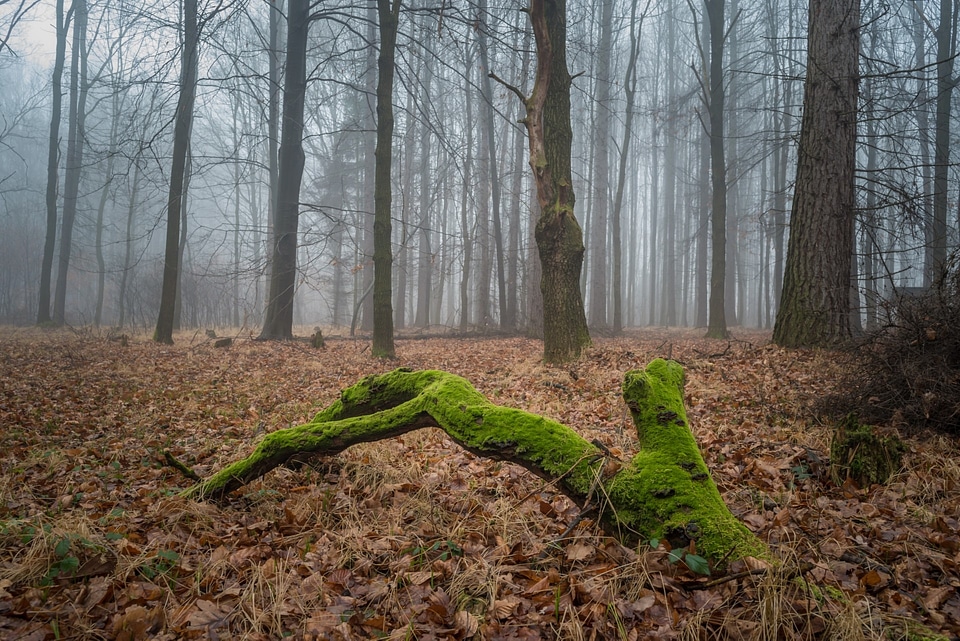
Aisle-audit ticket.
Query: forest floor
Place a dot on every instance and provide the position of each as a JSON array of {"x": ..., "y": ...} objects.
[{"x": 413, "y": 538}]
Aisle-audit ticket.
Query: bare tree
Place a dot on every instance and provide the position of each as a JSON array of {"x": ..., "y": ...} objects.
[
  {"x": 181, "y": 142},
  {"x": 53, "y": 163},
  {"x": 76, "y": 119}
]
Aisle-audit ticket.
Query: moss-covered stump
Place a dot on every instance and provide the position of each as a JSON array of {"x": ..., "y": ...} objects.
[
  {"x": 857, "y": 452},
  {"x": 665, "y": 492}
]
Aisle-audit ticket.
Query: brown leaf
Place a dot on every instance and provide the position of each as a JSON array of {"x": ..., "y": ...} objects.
[
  {"x": 579, "y": 551},
  {"x": 466, "y": 623}
]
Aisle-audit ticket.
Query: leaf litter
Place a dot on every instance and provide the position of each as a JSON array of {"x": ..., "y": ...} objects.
[{"x": 414, "y": 538}]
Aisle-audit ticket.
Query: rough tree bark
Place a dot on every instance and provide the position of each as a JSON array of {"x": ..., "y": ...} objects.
[
  {"x": 558, "y": 234},
  {"x": 815, "y": 305},
  {"x": 664, "y": 492}
]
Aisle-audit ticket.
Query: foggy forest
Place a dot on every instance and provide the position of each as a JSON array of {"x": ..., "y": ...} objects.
[
  {"x": 463, "y": 207},
  {"x": 472, "y": 319}
]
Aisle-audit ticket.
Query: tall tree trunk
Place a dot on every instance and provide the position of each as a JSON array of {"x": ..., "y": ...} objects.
[
  {"x": 558, "y": 234},
  {"x": 492, "y": 167},
  {"x": 389, "y": 18},
  {"x": 273, "y": 125},
  {"x": 98, "y": 240},
  {"x": 923, "y": 130},
  {"x": 465, "y": 230},
  {"x": 946, "y": 51},
  {"x": 278, "y": 319},
  {"x": 182, "y": 243},
  {"x": 128, "y": 244},
  {"x": 75, "y": 141},
  {"x": 599, "y": 262},
  {"x": 369, "y": 171},
  {"x": 181, "y": 141},
  {"x": 424, "y": 250},
  {"x": 816, "y": 288},
  {"x": 630, "y": 88},
  {"x": 703, "y": 218},
  {"x": 53, "y": 163},
  {"x": 717, "y": 323}
]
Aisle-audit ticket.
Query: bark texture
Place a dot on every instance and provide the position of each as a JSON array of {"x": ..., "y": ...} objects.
[
  {"x": 664, "y": 492},
  {"x": 558, "y": 234},
  {"x": 815, "y": 305}
]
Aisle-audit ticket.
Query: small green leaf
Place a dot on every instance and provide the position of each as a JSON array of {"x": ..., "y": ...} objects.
[
  {"x": 63, "y": 546},
  {"x": 654, "y": 543},
  {"x": 676, "y": 555},
  {"x": 69, "y": 565},
  {"x": 697, "y": 564}
]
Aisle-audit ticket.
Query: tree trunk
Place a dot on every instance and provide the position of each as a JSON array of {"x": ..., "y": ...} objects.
[
  {"x": 493, "y": 168},
  {"x": 598, "y": 259},
  {"x": 558, "y": 234},
  {"x": 382, "y": 253},
  {"x": 53, "y": 163},
  {"x": 273, "y": 125},
  {"x": 181, "y": 141},
  {"x": 425, "y": 249},
  {"x": 75, "y": 141},
  {"x": 664, "y": 492},
  {"x": 717, "y": 323},
  {"x": 128, "y": 242},
  {"x": 946, "y": 52},
  {"x": 815, "y": 305},
  {"x": 278, "y": 319},
  {"x": 616, "y": 216}
]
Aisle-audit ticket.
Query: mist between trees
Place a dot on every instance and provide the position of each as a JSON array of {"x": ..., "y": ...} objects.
[{"x": 671, "y": 101}]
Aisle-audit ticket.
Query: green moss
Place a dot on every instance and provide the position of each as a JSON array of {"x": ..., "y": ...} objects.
[
  {"x": 859, "y": 453},
  {"x": 665, "y": 492},
  {"x": 667, "y": 486},
  {"x": 913, "y": 631}
]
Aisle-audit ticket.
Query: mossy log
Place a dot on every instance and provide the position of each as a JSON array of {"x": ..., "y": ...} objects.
[{"x": 665, "y": 492}]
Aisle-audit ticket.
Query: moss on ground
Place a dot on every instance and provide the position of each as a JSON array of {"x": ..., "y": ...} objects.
[{"x": 859, "y": 453}]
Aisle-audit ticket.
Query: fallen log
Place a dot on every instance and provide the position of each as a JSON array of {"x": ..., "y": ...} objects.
[{"x": 664, "y": 493}]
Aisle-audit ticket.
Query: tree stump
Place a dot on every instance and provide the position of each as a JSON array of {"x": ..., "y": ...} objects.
[{"x": 665, "y": 492}]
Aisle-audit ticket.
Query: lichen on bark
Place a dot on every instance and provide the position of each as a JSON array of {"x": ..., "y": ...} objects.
[{"x": 664, "y": 492}]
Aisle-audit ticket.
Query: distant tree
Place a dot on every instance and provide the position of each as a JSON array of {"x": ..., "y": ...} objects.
[
  {"x": 13, "y": 18},
  {"x": 815, "y": 305}
]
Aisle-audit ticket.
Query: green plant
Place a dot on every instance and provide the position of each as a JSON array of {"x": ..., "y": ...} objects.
[
  {"x": 160, "y": 565},
  {"x": 443, "y": 550},
  {"x": 694, "y": 562}
]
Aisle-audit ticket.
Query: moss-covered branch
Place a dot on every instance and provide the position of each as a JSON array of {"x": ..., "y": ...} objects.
[{"x": 664, "y": 492}]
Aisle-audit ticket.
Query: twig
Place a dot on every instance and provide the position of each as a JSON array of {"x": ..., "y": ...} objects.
[{"x": 180, "y": 467}]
